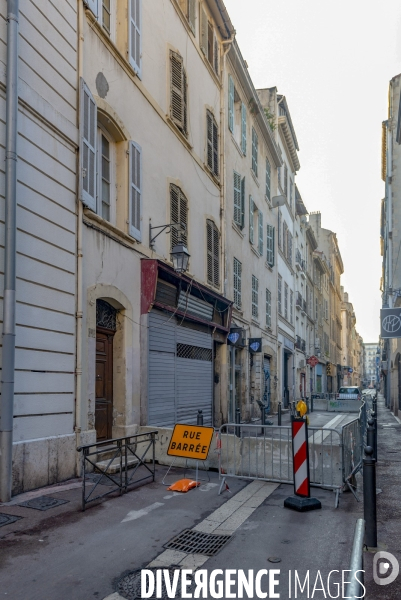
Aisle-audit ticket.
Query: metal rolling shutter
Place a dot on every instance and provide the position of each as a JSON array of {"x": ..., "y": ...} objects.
[
  {"x": 161, "y": 378},
  {"x": 180, "y": 372}
]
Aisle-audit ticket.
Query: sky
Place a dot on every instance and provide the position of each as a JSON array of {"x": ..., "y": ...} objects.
[{"x": 333, "y": 61}]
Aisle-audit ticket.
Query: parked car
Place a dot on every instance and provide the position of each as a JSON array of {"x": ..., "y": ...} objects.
[{"x": 350, "y": 392}]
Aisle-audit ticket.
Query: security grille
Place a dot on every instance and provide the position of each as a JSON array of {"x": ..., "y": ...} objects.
[
  {"x": 193, "y": 352},
  {"x": 197, "y": 542}
]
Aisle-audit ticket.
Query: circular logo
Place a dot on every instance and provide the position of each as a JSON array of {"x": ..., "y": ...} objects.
[
  {"x": 385, "y": 568},
  {"x": 391, "y": 323}
]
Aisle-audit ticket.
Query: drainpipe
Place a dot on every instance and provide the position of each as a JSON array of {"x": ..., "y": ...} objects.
[
  {"x": 79, "y": 287},
  {"x": 8, "y": 367}
]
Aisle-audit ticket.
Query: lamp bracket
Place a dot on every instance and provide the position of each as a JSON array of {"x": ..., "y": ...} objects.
[{"x": 163, "y": 228}]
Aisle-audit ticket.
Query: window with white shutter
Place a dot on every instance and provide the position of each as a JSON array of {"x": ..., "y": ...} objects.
[
  {"x": 212, "y": 144},
  {"x": 268, "y": 308},
  {"x": 93, "y": 5},
  {"x": 203, "y": 30},
  {"x": 286, "y": 301},
  {"x": 213, "y": 253},
  {"x": 135, "y": 190},
  {"x": 279, "y": 228},
  {"x": 255, "y": 297},
  {"x": 270, "y": 245},
  {"x": 135, "y": 35},
  {"x": 178, "y": 214},
  {"x": 178, "y": 81},
  {"x": 243, "y": 203},
  {"x": 291, "y": 307},
  {"x": 230, "y": 104},
  {"x": 285, "y": 238},
  {"x": 254, "y": 152},
  {"x": 268, "y": 180},
  {"x": 289, "y": 247},
  {"x": 88, "y": 148},
  {"x": 251, "y": 219},
  {"x": 237, "y": 283},
  {"x": 243, "y": 129},
  {"x": 260, "y": 226}
]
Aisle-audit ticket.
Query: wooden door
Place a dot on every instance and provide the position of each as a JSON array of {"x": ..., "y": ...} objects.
[{"x": 104, "y": 384}]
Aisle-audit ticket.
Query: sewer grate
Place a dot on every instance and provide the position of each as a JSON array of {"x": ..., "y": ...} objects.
[
  {"x": 43, "y": 503},
  {"x": 129, "y": 585},
  {"x": 198, "y": 542},
  {"x": 7, "y": 519}
]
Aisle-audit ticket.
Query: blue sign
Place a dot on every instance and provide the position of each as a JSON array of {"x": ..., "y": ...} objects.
[
  {"x": 255, "y": 344},
  {"x": 350, "y": 370},
  {"x": 233, "y": 337}
]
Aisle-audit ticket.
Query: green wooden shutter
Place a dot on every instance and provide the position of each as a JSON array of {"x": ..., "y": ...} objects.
[
  {"x": 251, "y": 209},
  {"x": 230, "y": 103}
]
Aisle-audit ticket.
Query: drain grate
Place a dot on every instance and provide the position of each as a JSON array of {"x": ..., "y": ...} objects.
[
  {"x": 43, "y": 503},
  {"x": 7, "y": 519},
  {"x": 129, "y": 586},
  {"x": 197, "y": 542}
]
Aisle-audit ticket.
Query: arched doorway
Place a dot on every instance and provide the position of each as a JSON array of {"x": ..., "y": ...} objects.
[{"x": 105, "y": 330}]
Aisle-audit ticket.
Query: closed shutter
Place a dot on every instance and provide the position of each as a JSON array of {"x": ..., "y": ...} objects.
[
  {"x": 243, "y": 203},
  {"x": 135, "y": 194},
  {"x": 254, "y": 152},
  {"x": 161, "y": 375},
  {"x": 279, "y": 228},
  {"x": 88, "y": 147},
  {"x": 212, "y": 144},
  {"x": 216, "y": 54},
  {"x": 255, "y": 297},
  {"x": 268, "y": 308},
  {"x": 270, "y": 245},
  {"x": 178, "y": 214},
  {"x": 268, "y": 179},
  {"x": 260, "y": 222},
  {"x": 178, "y": 110},
  {"x": 230, "y": 103},
  {"x": 289, "y": 248},
  {"x": 185, "y": 98},
  {"x": 237, "y": 283},
  {"x": 203, "y": 30},
  {"x": 237, "y": 200},
  {"x": 251, "y": 209},
  {"x": 191, "y": 14},
  {"x": 134, "y": 35},
  {"x": 180, "y": 380},
  {"x": 215, "y": 149},
  {"x": 93, "y": 5},
  {"x": 285, "y": 230},
  {"x": 213, "y": 256},
  {"x": 243, "y": 128}
]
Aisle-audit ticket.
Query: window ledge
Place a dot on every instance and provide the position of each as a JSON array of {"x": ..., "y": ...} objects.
[
  {"x": 268, "y": 202},
  {"x": 238, "y": 311},
  {"x": 178, "y": 133},
  {"x": 255, "y": 322},
  {"x": 215, "y": 178},
  {"x": 92, "y": 216},
  {"x": 234, "y": 141},
  {"x": 269, "y": 266},
  {"x": 237, "y": 229},
  {"x": 255, "y": 178},
  {"x": 255, "y": 251}
]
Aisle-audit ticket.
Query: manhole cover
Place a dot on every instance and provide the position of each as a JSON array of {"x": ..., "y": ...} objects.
[
  {"x": 129, "y": 586},
  {"x": 7, "y": 519},
  {"x": 197, "y": 542},
  {"x": 43, "y": 503}
]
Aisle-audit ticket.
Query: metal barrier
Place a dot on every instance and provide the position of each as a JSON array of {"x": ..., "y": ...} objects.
[
  {"x": 247, "y": 452},
  {"x": 123, "y": 456},
  {"x": 354, "y": 588}
]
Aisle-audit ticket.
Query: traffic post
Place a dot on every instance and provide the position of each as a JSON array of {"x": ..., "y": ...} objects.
[
  {"x": 301, "y": 501},
  {"x": 369, "y": 498}
]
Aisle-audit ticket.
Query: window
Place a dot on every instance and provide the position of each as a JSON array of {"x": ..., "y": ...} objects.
[
  {"x": 254, "y": 152},
  {"x": 243, "y": 128},
  {"x": 239, "y": 200},
  {"x": 135, "y": 199},
  {"x": 268, "y": 309},
  {"x": 212, "y": 144},
  {"x": 178, "y": 214},
  {"x": 326, "y": 309},
  {"x": 279, "y": 290},
  {"x": 230, "y": 104},
  {"x": 260, "y": 226},
  {"x": 106, "y": 15},
  {"x": 289, "y": 247},
  {"x": 208, "y": 41},
  {"x": 237, "y": 283},
  {"x": 88, "y": 148},
  {"x": 268, "y": 180},
  {"x": 286, "y": 301},
  {"x": 255, "y": 297},
  {"x": 213, "y": 253},
  {"x": 134, "y": 35},
  {"x": 270, "y": 245},
  {"x": 279, "y": 228},
  {"x": 188, "y": 7},
  {"x": 290, "y": 198},
  {"x": 285, "y": 238},
  {"x": 251, "y": 219},
  {"x": 279, "y": 176},
  {"x": 178, "y": 90},
  {"x": 285, "y": 179},
  {"x": 291, "y": 307},
  {"x": 105, "y": 176}
]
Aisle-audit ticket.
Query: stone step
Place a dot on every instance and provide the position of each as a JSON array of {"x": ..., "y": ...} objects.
[{"x": 115, "y": 464}]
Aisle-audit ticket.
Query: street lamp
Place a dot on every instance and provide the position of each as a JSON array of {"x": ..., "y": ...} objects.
[{"x": 180, "y": 258}]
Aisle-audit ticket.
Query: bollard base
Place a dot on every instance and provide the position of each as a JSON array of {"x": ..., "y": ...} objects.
[{"x": 302, "y": 504}]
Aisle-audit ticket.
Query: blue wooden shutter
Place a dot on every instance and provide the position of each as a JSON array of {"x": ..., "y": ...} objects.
[
  {"x": 88, "y": 136},
  {"x": 243, "y": 128},
  {"x": 135, "y": 190},
  {"x": 230, "y": 103},
  {"x": 134, "y": 35}
]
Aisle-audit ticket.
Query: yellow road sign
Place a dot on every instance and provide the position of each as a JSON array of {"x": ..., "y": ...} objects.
[{"x": 190, "y": 441}]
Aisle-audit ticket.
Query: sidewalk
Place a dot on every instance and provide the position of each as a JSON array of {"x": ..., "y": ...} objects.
[{"x": 388, "y": 483}]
